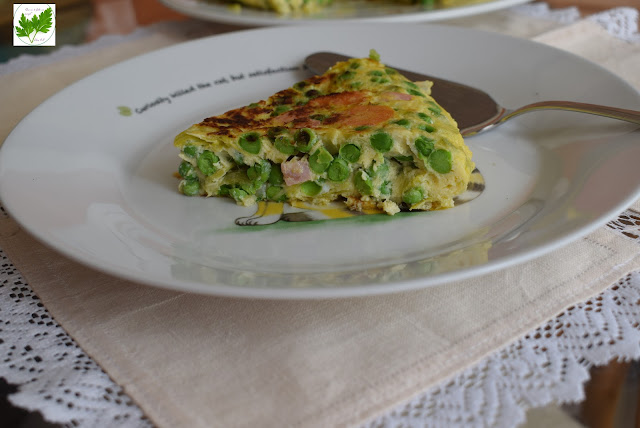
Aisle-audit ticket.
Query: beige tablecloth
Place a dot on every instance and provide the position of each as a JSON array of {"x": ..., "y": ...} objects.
[{"x": 200, "y": 361}]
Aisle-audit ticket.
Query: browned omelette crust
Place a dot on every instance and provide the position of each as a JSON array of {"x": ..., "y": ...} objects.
[{"x": 360, "y": 132}]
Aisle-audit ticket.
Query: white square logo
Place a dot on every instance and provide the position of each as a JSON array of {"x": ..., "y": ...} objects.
[{"x": 34, "y": 24}]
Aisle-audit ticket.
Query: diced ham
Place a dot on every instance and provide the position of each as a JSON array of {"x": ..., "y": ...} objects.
[
  {"x": 295, "y": 171},
  {"x": 285, "y": 117},
  {"x": 365, "y": 115},
  {"x": 299, "y": 116}
]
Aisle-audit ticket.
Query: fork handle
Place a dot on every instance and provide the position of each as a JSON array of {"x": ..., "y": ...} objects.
[{"x": 632, "y": 116}]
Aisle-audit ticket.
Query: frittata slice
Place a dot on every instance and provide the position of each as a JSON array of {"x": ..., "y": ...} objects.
[{"x": 361, "y": 133}]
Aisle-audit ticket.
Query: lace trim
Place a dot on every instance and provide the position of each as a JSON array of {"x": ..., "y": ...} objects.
[
  {"x": 55, "y": 376},
  {"x": 621, "y": 22},
  {"x": 564, "y": 16}
]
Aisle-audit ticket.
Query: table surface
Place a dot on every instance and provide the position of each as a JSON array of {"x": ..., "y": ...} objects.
[{"x": 82, "y": 21}]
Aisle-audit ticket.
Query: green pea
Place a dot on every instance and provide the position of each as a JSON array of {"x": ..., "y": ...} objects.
[
  {"x": 284, "y": 144},
  {"x": 350, "y": 153},
  {"x": 362, "y": 128},
  {"x": 402, "y": 122},
  {"x": 276, "y": 193},
  {"x": 375, "y": 79},
  {"x": 403, "y": 158},
  {"x": 390, "y": 71},
  {"x": 319, "y": 117},
  {"x": 224, "y": 190},
  {"x": 275, "y": 131},
  {"x": 275, "y": 175},
  {"x": 190, "y": 151},
  {"x": 385, "y": 189},
  {"x": 375, "y": 73},
  {"x": 440, "y": 161},
  {"x": 279, "y": 110},
  {"x": 186, "y": 170},
  {"x": 413, "y": 195},
  {"x": 435, "y": 108},
  {"x": 424, "y": 145},
  {"x": 363, "y": 183},
  {"x": 250, "y": 142},
  {"x": 206, "y": 162},
  {"x": 265, "y": 170},
  {"x": 320, "y": 160},
  {"x": 300, "y": 85},
  {"x": 304, "y": 138},
  {"x": 381, "y": 141},
  {"x": 310, "y": 188},
  {"x": 312, "y": 93},
  {"x": 380, "y": 170},
  {"x": 238, "y": 158},
  {"x": 250, "y": 188},
  {"x": 259, "y": 171},
  {"x": 191, "y": 186},
  {"x": 238, "y": 194},
  {"x": 354, "y": 65},
  {"x": 252, "y": 173},
  {"x": 425, "y": 117},
  {"x": 426, "y": 127},
  {"x": 356, "y": 85},
  {"x": 347, "y": 75},
  {"x": 338, "y": 170}
]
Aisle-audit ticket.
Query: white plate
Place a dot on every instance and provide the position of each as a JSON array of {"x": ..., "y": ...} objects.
[
  {"x": 97, "y": 185},
  {"x": 340, "y": 11}
]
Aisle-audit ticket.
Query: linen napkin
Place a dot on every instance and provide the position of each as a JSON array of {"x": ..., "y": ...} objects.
[{"x": 202, "y": 361}]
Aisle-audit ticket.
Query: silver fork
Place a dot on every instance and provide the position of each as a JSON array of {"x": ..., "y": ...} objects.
[{"x": 473, "y": 109}]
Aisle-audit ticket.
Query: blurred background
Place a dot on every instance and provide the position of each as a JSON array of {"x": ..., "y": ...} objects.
[{"x": 81, "y": 21}]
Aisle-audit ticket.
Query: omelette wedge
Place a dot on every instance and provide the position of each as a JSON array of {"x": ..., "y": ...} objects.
[{"x": 360, "y": 133}]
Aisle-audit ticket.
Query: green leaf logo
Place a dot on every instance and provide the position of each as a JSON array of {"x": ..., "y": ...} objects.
[
  {"x": 37, "y": 24},
  {"x": 124, "y": 110}
]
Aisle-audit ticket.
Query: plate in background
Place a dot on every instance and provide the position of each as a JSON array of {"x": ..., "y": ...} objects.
[{"x": 338, "y": 12}]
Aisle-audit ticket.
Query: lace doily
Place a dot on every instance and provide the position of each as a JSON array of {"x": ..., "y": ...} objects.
[
  {"x": 621, "y": 22},
  {"x": 565, "y": 16}
]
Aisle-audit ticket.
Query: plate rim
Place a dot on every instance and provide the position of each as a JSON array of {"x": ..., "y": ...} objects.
[{"x": 196, "y": 9}]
